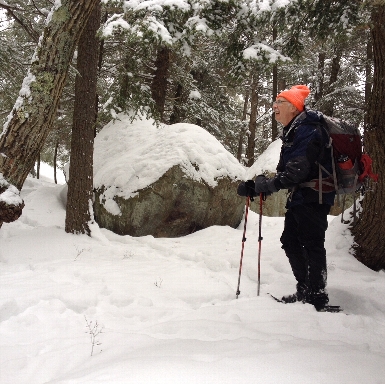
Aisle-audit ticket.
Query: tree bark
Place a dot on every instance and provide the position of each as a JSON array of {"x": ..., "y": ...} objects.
[
  {"x": 80, "y": 184},
  {"x": 38, "y": 167},
  {"x": 124, "y": 82},
  {"x": 369, "y": 230},
  {"x": 55, "y": 161},
  {"x": 281, "y": 85},
  {"x": 321, "y": 77},
  {"x": 159, "y": 82},
  {"x": 176, "y": 116},
  {"x": 274, "y": 123},
  {"x": 33, "y": 114},
  {"x": 328, "y": 106},
  {"x": 368, "y": 78},
  {"x": 242, "y": 130},
  {"x": 252, "y": 124}
]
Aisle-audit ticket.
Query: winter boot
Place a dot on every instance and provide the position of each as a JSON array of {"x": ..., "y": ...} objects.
[
  {"x": 300, "y": 295},
  {"x": 319, "y": 299}
]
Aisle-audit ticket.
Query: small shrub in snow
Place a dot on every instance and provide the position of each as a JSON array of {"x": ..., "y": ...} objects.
[{"x": 94, "y": 330}]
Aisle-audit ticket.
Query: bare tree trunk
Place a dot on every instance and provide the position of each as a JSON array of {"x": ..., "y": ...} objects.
[
  {"x": 176, "y": 116},
  {"x": 55, "y": 161},
  {"x": 38, "y": 167},
  {"x": 242, "y": 131},
  {"x": 80, "y": 184},
  {"x": 252, "y": 124},
  {"x": 368, "y": 79},
  {"x": 124, "y": 82},
  {"x": 328, "y": 106},
  {"x": 281, "y": 85},
  {"x": 159, "y": 82},
  {"x": 274, "y": 124},
  {"x": 34, "y": 112},
  {"x": 369, "y": 230},
  {"x": 320, "y": 76}
]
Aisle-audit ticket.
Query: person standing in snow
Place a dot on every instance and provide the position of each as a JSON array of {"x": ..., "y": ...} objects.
[{"x": 303, "y": 148}]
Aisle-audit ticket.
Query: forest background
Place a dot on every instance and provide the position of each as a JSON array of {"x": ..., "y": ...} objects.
[{"x": 68, "y": 67}]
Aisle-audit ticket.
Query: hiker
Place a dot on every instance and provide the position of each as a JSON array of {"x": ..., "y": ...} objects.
[{"x": 303, "y": 237}]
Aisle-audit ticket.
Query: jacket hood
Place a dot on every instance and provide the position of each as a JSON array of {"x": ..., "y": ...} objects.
[{"x": 308, "y": 116}]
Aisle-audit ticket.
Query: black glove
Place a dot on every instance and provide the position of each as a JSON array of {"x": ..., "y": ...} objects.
[
  {"x": 246, "y": 188},
  {"x": 265, "y": 185}
]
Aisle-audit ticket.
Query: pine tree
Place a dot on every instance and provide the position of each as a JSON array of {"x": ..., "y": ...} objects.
[
  {"x": 79, "y": 211},
  {"x": 33, "y": 114},
  {"x": 369, "y": 230}
]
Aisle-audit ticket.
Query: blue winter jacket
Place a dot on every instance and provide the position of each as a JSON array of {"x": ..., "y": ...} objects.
[{"x": 303, "y": 146}]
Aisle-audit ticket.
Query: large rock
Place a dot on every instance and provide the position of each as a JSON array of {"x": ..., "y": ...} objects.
[
  {"x": 165, "y": 182},
  {"x": 173, "y": 206}
]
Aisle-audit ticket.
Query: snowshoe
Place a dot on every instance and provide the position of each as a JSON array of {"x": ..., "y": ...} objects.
[{"x": 323, "y": 308}]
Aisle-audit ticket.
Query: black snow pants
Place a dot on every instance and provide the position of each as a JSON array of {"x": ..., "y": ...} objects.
[{"x": 303, "y": 241}]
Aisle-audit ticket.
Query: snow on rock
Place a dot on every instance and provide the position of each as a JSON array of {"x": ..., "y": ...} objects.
[
  {"x": 267, "y": 162},
  {"x": 11, "y": 204},
  {"x": 131, "y": 156}
]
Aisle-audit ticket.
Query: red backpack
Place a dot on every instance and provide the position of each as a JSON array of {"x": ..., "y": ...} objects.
[{"x": 352, "y": 169}]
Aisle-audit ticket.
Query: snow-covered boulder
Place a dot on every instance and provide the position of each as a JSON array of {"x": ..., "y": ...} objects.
[{"x": 164, "y": 181}]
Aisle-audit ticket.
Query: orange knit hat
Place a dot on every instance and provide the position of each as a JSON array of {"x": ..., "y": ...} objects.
[{"x": 296, "y": 95}]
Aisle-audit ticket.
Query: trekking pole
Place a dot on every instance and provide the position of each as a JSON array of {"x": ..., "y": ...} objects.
[
  {"x": 262, "y": 197},
  {"x": 243, "y": 244}
]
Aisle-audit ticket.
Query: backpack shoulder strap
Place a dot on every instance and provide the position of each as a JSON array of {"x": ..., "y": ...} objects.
[{"x": 328, "y": 144}]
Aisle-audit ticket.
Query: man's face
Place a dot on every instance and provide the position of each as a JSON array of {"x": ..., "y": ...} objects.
[{"x": 284, "y": 111}]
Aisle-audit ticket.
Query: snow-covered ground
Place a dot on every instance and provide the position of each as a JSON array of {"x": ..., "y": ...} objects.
[
  {"x": 167, "y": 308},
  {"x": 119, "y": 309}
]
